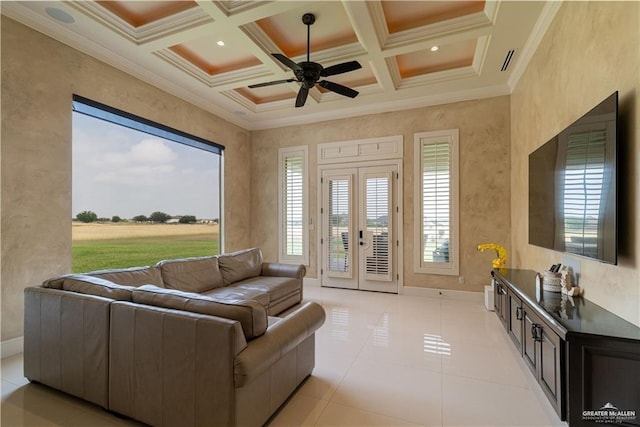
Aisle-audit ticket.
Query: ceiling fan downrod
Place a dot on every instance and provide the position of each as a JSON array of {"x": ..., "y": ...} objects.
[{"x": 308, "y": 19}]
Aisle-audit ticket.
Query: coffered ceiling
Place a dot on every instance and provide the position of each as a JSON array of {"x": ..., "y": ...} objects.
[{"x": 413, "y": 53}]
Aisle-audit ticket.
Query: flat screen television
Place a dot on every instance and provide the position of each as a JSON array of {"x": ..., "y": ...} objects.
[{"x": 573, "y": 187}]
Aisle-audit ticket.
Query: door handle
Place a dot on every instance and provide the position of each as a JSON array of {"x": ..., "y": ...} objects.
[
  {"x": 518, "y": 313},
  {"x": 535, "y": 328},
  {"x": 361, "y": 234}
]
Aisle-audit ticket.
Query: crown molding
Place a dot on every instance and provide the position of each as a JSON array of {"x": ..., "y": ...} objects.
[{"x": 382, "y": 107}]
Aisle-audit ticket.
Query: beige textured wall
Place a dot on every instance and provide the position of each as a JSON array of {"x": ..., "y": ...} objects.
[
  {"x": 591, "y": 50},
  {"x": 484, "y": 180},
  {"x": 39, "y": 76}
]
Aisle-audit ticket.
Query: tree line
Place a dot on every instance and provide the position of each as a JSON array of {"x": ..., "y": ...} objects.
[{"x": 156, "y": 217}]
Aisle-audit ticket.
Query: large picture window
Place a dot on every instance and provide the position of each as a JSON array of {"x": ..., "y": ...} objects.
[
  {"x": 436, "y": 202},
  {"x": 142, "y": 192},
  {"x": 293, "y": 207}
]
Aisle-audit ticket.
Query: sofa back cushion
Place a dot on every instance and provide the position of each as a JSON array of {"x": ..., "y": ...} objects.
[
  {"x": 191, "y": 274},
  {"x": 135, "y": 276},
  {"x": 251, "y": 314},
  {"x": 240, "y": 265},
  {"x": 90, "y": 285},
  {"x": 55, "y": 282}
]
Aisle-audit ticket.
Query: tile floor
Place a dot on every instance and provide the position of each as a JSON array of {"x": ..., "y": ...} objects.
[{"x": 381, "y": 360}]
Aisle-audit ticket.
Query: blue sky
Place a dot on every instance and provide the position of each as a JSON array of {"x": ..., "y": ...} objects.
[{"x": 119, "y": 171}]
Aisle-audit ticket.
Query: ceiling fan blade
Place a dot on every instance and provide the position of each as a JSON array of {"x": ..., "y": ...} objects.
[
  {"x": 275, "y": 82},
  {"x": 302, "y": 96},
  {"x": 345, "y": 67},
  {"x": 339, "y": 89},
  {"x": 286, "y": 61}
]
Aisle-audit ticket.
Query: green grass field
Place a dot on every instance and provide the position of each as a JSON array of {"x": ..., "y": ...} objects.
[{"x": 101, "y": 254}]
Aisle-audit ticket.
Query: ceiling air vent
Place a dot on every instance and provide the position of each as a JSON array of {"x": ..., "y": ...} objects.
[{"x": 507, "y": 60}]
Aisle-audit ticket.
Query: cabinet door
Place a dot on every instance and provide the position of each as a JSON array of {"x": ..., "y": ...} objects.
[
  {"x": 515, "y": 320},
  {"x": 529, "y": 342},
  {"x": 500, "y": 302},
  {"x": 543, "y": 353},
  {"x": 549, "y": 369},
  {"x": 602, "y": 369}
]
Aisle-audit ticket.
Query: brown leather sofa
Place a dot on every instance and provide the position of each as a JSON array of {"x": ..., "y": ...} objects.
[{"x": 189, "y": 342}]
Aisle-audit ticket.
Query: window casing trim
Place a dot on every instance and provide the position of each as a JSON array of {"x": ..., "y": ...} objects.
[{"x": 452, "y": 267}]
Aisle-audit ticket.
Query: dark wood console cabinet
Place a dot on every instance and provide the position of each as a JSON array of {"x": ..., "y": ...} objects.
[{"x": 585, "y": 358}]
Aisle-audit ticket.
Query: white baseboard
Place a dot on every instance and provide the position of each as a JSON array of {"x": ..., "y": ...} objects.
[
  {"x": 12, "y": 347},
  {"x": 444, "y": 293}
]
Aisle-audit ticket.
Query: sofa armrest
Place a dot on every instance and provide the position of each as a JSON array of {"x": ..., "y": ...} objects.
[
  {"x": 170, "y": 367},
  {"x": 66, "y": 342},
  {"x": 283, "y": 270},
  {"x": 279, "y": 339}
]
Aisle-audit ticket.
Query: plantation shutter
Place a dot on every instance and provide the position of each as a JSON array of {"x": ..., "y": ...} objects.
[
  {"x": 584, "y": 180},
  {"x": 293, "y": 209},
  {"x": 339, "y": 212},
  {"x": 436, "y": 208},
  {"x": 293, "y": 205},
  {"x": 377, "y": 213},
  {"x": 436, "y": 197}
]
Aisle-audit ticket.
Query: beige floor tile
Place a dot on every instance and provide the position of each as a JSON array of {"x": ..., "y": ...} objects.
[
  {"x": 485, "y": 362},
  {"x": 299, "y": 411},
  {"x": 11, "y": 370},
  {"x": 339, "y": 415},
  {"x": 471, "y": 402},
  {"x": 392, "y": 390}
]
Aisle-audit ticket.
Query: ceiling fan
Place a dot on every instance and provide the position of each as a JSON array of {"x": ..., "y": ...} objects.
[{"x": 309, "y": 73}]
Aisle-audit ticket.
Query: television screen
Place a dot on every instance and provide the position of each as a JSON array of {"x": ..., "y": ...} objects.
[{"x": 572, "y": 187}]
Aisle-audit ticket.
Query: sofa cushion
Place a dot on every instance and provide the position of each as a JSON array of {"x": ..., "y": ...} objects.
[
  {"x": 135, "y": 276},
  {"x": 240, "y": 265},
  {"x": 191, "y": 274},
  {"x": 55, "y": 282},
  {"x": 90, "y": 285},
  {"x": 233, "y": 293},
  {"x": 251, "y": 314},
  {"x": 277, "y": 287}
]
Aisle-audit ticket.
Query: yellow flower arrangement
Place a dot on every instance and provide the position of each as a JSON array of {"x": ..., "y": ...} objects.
[{"x": 501, "y": 253}]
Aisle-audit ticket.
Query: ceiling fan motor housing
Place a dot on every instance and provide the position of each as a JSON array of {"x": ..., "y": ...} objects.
[{"x": 309, "y": 74}]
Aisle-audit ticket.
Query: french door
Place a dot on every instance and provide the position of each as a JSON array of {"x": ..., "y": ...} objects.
[{"x": 359, "y": 210}]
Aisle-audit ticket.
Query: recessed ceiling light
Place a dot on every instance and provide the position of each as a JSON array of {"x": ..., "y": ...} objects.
[
  {"x": 435, "y": 48},
  {"x": 60, "y": 15},
  {"x": 220, "y": 43}
]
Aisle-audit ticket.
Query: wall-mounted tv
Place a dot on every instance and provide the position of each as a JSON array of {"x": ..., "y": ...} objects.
[{"x": 573, "y": 187}]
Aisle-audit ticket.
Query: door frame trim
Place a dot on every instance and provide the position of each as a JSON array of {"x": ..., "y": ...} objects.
[{"x": 399, "y": 267}]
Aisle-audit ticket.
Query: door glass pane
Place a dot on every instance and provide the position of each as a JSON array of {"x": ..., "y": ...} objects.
[
  {"x": 339, "y": 240},
  {"x": 377, "y": 227}
]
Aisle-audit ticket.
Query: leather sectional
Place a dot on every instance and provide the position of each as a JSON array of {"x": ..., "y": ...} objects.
[{"x": 211, "y": 341}]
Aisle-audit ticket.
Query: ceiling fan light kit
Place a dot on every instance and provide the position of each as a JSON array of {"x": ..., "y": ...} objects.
[{"x": 308, "y": 73}]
